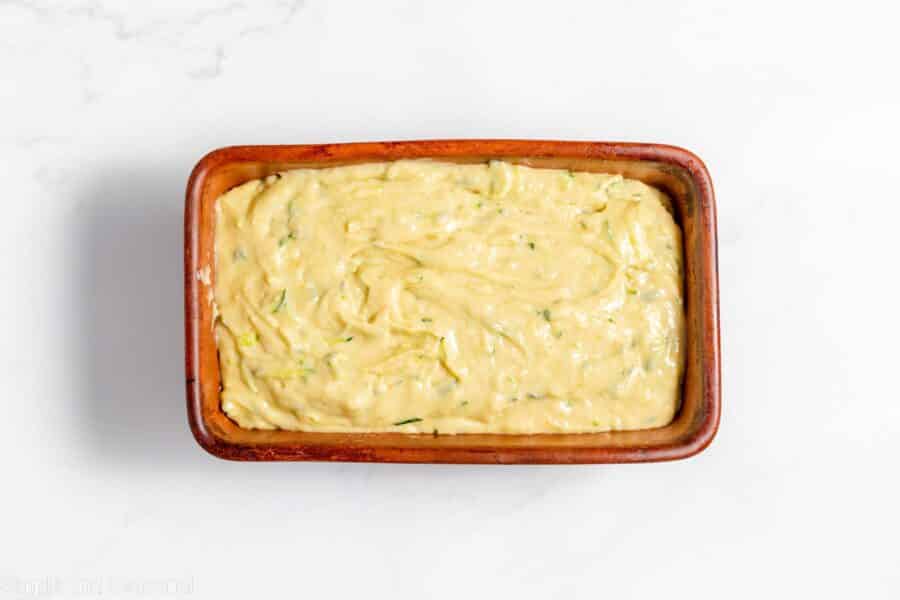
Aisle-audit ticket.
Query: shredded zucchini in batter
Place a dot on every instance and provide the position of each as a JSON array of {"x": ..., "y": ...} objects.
[{"x": 421, "y": 296}]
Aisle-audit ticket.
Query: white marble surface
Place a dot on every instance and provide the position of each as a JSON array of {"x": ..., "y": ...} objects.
[{"x": 104, "y": 108}]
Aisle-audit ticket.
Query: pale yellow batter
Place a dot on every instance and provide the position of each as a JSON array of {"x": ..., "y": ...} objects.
[{"x": 419, "y": 296}]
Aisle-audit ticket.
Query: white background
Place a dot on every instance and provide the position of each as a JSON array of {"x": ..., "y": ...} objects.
[{"x": 105, "y": 107}]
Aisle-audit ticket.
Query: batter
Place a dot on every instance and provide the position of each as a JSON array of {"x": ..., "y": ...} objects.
[{"x": 420, "y": 296}]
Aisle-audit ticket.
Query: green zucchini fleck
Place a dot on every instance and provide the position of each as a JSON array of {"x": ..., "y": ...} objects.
[{"x": 281, "y": 301}]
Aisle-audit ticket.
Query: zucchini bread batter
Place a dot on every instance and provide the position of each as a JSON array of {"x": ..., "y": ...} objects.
[{"x": 420, "y": 296}]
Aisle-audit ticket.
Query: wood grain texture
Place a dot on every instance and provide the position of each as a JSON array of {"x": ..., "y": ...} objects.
[{"x": 681, "y": 174}]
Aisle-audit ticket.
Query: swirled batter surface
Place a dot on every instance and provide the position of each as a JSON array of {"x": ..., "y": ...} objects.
[{"x": 418, "y": 296}]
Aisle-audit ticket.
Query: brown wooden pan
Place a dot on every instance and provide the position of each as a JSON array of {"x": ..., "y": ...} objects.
[{"x": 678, "y": 172}]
